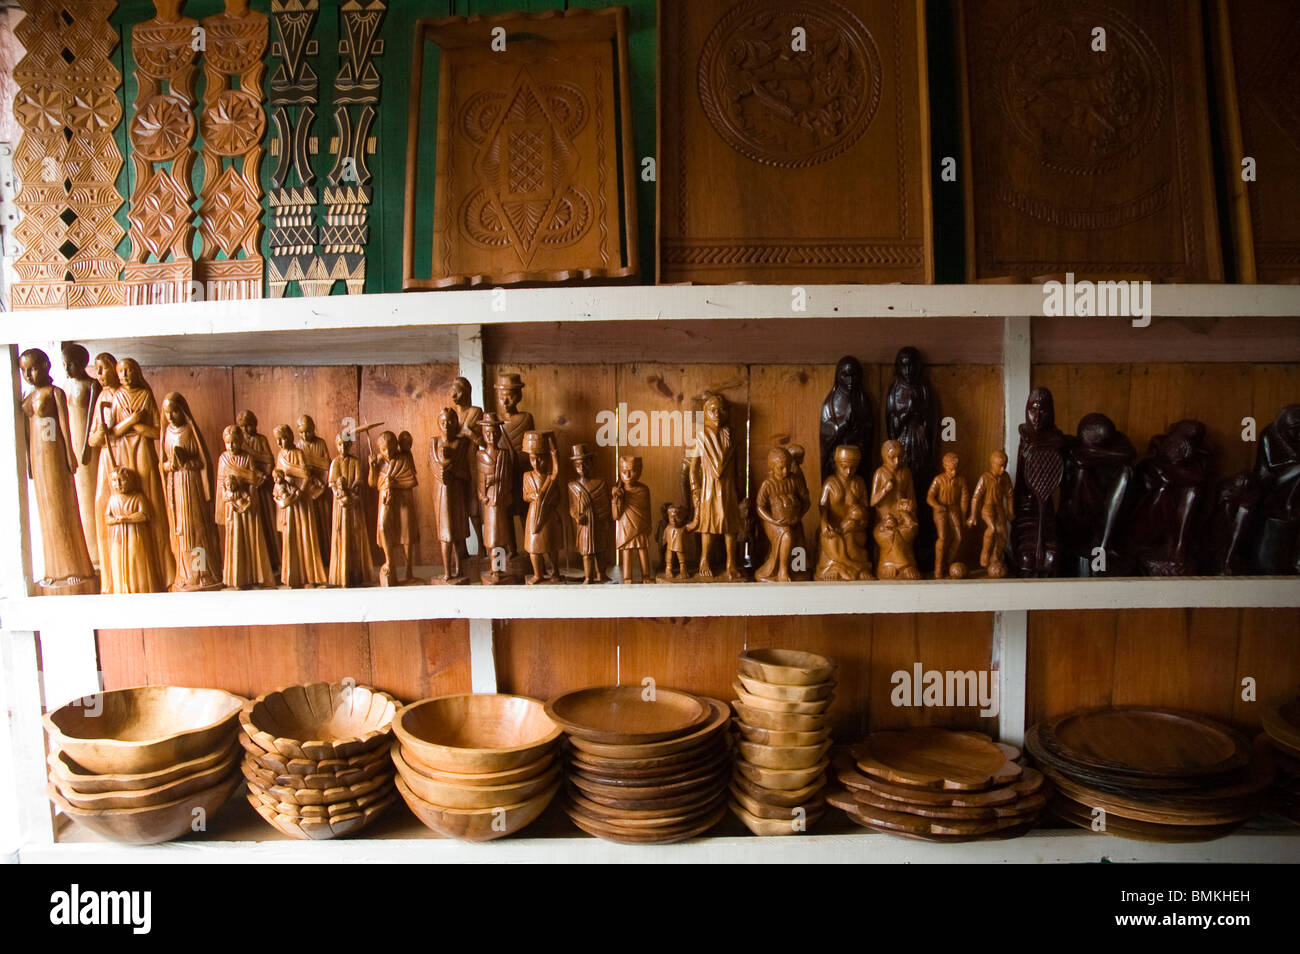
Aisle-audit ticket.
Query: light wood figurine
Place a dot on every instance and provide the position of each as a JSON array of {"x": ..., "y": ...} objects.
[
  {"x": 543, "y": 525},
  {"x": 187, "y": 488},
  {"x": 895, "y": 502}
]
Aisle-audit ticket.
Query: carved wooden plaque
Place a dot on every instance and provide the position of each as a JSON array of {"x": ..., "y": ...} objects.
[
  {"x": 1257, "y": 46},
  {"x": 534, "y": 179},
  {"x": 793, "y": 141},
  {"x": 1081, "y": 159}
]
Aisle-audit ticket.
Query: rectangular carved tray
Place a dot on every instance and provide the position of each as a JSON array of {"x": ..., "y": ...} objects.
[
  {"x": 793, "y": 141},
  {"x": 1082, "y": 160},
  {"x": 534, "y": 171}
]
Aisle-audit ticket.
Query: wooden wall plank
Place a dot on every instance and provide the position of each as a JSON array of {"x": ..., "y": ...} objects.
[
  {"x": 698, "y": 655},
  {"x": 1268, "y": 652},
  {"x": 278, "y": 395},
  {"x": 543, "y": 658},
  {"x": 1184, "y": 659},
  {"x": 1071, "y": 662},
  {"x": 960, "y": 642},
  {"x": 1080, "y": 389},
  {"x": 418, "y": 659},
  {"x": 121, "y": 658},
  {"x": 1217, "y": 395}
]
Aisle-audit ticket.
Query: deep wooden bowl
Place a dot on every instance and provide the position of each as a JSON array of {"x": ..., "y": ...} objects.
[
  {"x": 779, "y": 693},
  {"x": 72, "y": 778},
  {"x": 777, "y": 826},
  {"x": 692, "y": 743},
  {"x": 782, "y": 780},
  {"x": 508, "y": 777},
  {"x": 786, "y": 667},
  {"x": 320, "y": 721},
  {"x": 778, "y": 721},
  {"x": 453, "y": 795},
  {"x": 142, "y": 730},
  {"x": 475, "y": 734},
  {"x": 621, "y": 715},
  {"x": 157, "y": 823},
  {"x": 776, "y": 737},
  {"x": 477, "y": 824},
  {"x": 783, "y": 756},
  {"x": 818, "y": 707},
  {"x": 159, "y": 795}
]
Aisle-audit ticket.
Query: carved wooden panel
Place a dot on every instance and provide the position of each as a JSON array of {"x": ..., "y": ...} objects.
[
  {"x": 233, "y": 121},
  {"x": 793, "y": 141},
  {"x": 1086, "y": 160},
  {"x": 67, "y": 159},
  {"x": 534, "y": 145},
  {"x": 162, "y": 134},
  {"x": 1257, "y": 46}
]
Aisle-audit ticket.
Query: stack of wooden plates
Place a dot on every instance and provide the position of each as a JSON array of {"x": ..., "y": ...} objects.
[
  {"x": 144, "y": 765},
  {"x": 648, "y": 766},
  {"x": 1282, "y": 725},
  {"x": 938, "y": 785},
  {"x": 476, "y": 767},
  {"x": 316, "y": 758},
  {"x": 782, "y": 739},
  {"x": 1157, "y": 774}
]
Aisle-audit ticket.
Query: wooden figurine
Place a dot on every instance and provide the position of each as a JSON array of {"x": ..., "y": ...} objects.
[
  {"x": 1173, "y": 501},
  {"x": 133, "y": 541},
  {"x": 630, "y": 507},
  {"x": 514, "y": 425},
  {"x": 1040, "y": 468},
  {"x": 295, "y": 490},
  {"x": 52, "y": 464},
  {"x": 496, "y": 480},
  {"x": 589, "y": 506},
  {"x": 1096, "y": 497},
  {"x": 449, "y": 462},
  {"x": 258, "y": 448},
  {"x": 949, "y": 499},
  {"x": 1277, "y": 469},
  {"x": 895, "y": 501},
  {"x": 350, "y": 563},
  {"x": 912, "y": 419},
  {"x": 1234, "y": 524},
  {"x": 845, "y": 517},
  {"x": 713, "y": 488},
  {"x": 543, "y": 526},
  {"x": 847, "y": 419},
  {"x": 102, "y": 439},
  {"x": 462, "y": 402},
  {"x": 676, "y": 567},
  {"x": 187, "y": 489},
  {"x": 83, "y": 391},
  {"x": 137, "y": 425},
  {"x": 781, "y": 503},
  {"x": 392, "y": 473},
  {"x": 994, "y": 502},
  {"x": 245, "y": 553},
  {"x": 316, "y": 455}
]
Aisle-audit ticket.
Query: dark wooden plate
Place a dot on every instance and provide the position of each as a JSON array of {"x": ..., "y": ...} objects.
[
  {"x": 621, "y": 715},
  {"x": 1081, "y": 815},
  {"x": 1029, "y": 782},
  {"x": 623, "y": 818},
  {"x": 894, "y": 823},
  {"x": 1020, "y": 808},
  {"x": 693, "y": 774},
  {"x": 714, "y": 748},
  {"x": 1282, "y": 723}
]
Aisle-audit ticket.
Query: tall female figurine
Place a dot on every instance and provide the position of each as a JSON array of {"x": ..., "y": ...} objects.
[
  {"x": 258, "y": 449},
  {"x": 133, "y": 542},
  {"x": 846, "y": 415},
  {"x": 713, "y": 487},
  {"x": 187, "y": 489},
  {"x": 82, "y": 391},
  {"x": 496, "y": 479},
  {"x": 543, "y": 528},
  {"x": 316, "y": 454},
  {"x": 350, "y": 561},
  {"x": 392, "y": 473},
  {"x": 449, "y": 462},
  {"x": 137, "y": 425},
  {"x": 845, "y": 517},
  {"x": 295, "y": 492},
  {"x": 51, "y": 465},
  {"x": 245, "y": 556},
  {"x": 781, "y": 503},
  {"x": 893, "y": 497},
  {"x": 1039, "y": 469},
  {"x": 102, "y": 439},
  {"x": 514, "y": 425}
]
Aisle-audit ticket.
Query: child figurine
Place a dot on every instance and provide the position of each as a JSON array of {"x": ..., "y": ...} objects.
[
  {"x": 895, "y": 503},
  {"x": 631, "y": 510},
  {"x": 543, "y": 528},
  {"x": 132, "y": 541},
  {"x": 448, "y": 460},
  {"x": 350, "y": 560},
  {"x": 393, "y": 474},
  {"x": 675, "y": 546},
  {"x": 949, "y": 499},
  {"x": 245, "y": 555},
  {"x": 295, "y": 491},
  {"x": 994, "y": 501},
  {"x": 589, "y": 506},
  {"x": 781, "y": 503}
]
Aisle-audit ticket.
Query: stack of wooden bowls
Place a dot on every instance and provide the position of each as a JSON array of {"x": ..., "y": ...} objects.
[
  {"x": 1157, "y": 774},
  {"x": 144, "y": 765},
  {"x": 648, "y": 765},
  {"x": 476, "y": 767},
  {"x": 782, "y": 739},
  {"x": 316, "y": 758},
  {"x": 938, "y": 785},
  {"x": 1282, "y": 733}
]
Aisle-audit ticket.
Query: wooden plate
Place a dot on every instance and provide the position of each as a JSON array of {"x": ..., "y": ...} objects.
[
  {"x": 914, "y": 824},
  {"x": 629, "y": 818},
  {"x": 791, "y": 708},
  {"x": 934, "y": 758},
  {"x": 1071, "y": 811},
  {"x": 1030, "y": 782},
  {"x": 776, "y": 797},
  {"x": 1282, "y": 723},
  {"x": 717, "y": 747},
  {"x": 778, "y": 721},
  {"x": 678, "y": 802},
  {"x": 780, "y": 693},
  {"x": 716, "y": 724},
  {"x": 645, "y": 837},
  {"x": 694, "y": 774},
  {"x": 695, "y": 783},
  {"x": 786, "y": 667},
  {"x": 1022, "y": 808},
  {"x": 620, "y": 715},
  {"x": 1225, "y": 813}
]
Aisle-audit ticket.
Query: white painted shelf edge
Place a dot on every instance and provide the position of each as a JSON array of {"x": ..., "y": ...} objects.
[
  {"x": 613, "y": 601},
  {"x": 615, "y": 303}
]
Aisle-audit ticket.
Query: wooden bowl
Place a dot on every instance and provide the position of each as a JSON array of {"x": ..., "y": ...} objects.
[
  {"x": 306, "y": 768},
  {"x": 770, "y": 796},
  {"x": 778, "y": 721},
  {"x": 782, "y": 780},
  {"x": 762, "y": 809},
  {"x": 786, "y": 667},
  {"x": 476, "y": 824},
  {"x": 694, "y": 742},
  {"x": 320, "y": 829},
  {"x": 790, "y": 708},
  {"x": 783, "y": 756},
  {"x": 708, "y": 769},
  {"x": 718, "y": 749},
  {"x": 475, "y": 734},
  {"x": 680, "y": 801},
  {"x": 775, "y": 737},
  {"x": 157, "y": 823},
  {"x": 159, "y": 795},
  {"x": 777, "y": 826},
  {"x": 347, "y": 806},
  {"x": 142, "y": 730},
  {"x": 71, "y": 778},
  {"x": 319, "y": 721},
  {"x": 779, "y": 693},
  {"x": 508, "y": 777},
  {"x": 620, "y": 715},
  {"x": 322, "y": 781},
  {"x": 452, "y": 795},
  {"x": 316, "y": 796}
]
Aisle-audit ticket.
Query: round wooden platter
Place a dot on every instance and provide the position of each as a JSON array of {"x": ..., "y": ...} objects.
[
  {"x": 715, "y": 725},
  {"x": 654, "y": 836},
  {"x": 711, "y": 751},
  {"x": 1029, "y": 805},
  {"x": 1027, "y": 783},
  {"x": 1210, "y": 813},
  {"x": 622, "y": 715},
  {"x": 627, "y": 818},
  {"x": 935, "y": 758},
  {"x": 1282, "y": 723},
  {"x": 896, "y": 823},
  {"x": 1075, "y": 813}
]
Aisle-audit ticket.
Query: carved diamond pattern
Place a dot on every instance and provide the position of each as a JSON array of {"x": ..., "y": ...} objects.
[
  {"x": 230, "y": 210},
  {"x": 160, "y": 215}
]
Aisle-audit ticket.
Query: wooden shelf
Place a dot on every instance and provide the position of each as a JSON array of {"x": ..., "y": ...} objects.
[{"x": 271, "y": 607}]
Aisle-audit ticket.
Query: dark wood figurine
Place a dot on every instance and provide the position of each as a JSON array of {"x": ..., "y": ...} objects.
[
  {"x": 392, "y": 473},
  {"x": 994, "y": 502},
  {"x": 911, "y": 418},
  {"x": 1173, "y": 501},
  {"x": 589, "y": 506},
  {"x": 1096, "y": 497},
  {"x": 847, "y": 419},
  {"x": 781, "y": 503},
  {"x": 187, "y": 489},
  {"x": 1040, "y": 467},
  {"x": 350, "y": 562},
  {"x": 845, "y": 516},
  {"x": 1277, "y": 468}
]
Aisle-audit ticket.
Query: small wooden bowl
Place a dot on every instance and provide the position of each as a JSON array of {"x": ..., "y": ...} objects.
[
  {"x": 783, "y": 756},
  {"x": 317, "y": 796},
  {"x": 782, "y": 780},
  {"x": 620, "y": 715},
  {"x": 779, "y": 693},
  {"x": 475, "y": 734},
  {"x": 323, "y": 828},
  {"x": 73, "y": 779},
  {"x": 157, "y": 823},
  {"x": 775, "y": 737},
  {"x": 143, "y": 730},
  {"x": 771, "y": 796},
  {"x": 786, "y": 667},
  {"x": 160, "y": 795},
  {"x": 695, "y": 741},
  {"x": 776, "y": 826},
  {"x": 477, "y": 824},
  {"x": 453, "y": 795},
  {"x": 789, "y": 708},
  {"x": 319, "y": 721},
  {"x": 778, "y": 721},
  {"x": 508, "y": 777},
  {"x": 762, "y": 809}
]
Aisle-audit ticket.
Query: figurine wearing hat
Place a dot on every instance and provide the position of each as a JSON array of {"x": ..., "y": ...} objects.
[
  {"x": 543, "y": 529},
  {"x": 589, "y": 506},
  {"x": 495, "y": 463},
  {"x": 514, "y": 425}
]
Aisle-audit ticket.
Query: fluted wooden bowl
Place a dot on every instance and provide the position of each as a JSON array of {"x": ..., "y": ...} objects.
[
  {"x": 452, "y": 795},
  {"x": 477, "y": 824},
  {"x": 779, "y": 693},
  {"x": 475, "y": 734},
  {"x": 790, "y": 708},
  {"x": 752, "y": 733},
  {"x": 72, "y": 778},
  {"x": 786, "y": 667},
  {"x": 783, "y": 756},
  {"x": 316, "y": 796},
  {"x": 350, "y": 772},
  {"x": 763, "y": 809},
  {"x": 320, "y": 721},
  {"x": 295, "y": 768},
  {"x": 778, "y": 721},
  {"x": 145, "y": 729},
  {"x": 321, "y": 827},
  {"x": 159, "y": 795},
  {"x": 787, "y": 798},
  {"x": 157, "y": 823}
]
